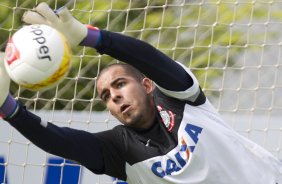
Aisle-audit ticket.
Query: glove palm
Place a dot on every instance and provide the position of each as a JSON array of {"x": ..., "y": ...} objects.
[
  {"x": 4, "y": 81},
  {"x": 62, "y": 21}
]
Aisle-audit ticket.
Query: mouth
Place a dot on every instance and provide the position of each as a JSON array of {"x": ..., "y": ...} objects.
[{"x": 124, "y": 108}]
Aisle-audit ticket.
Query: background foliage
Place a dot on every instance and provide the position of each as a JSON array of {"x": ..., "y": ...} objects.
[{"x": 207, "y": 37}]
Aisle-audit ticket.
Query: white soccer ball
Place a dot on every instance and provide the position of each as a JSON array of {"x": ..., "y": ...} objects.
[{"x": 37, "y": 57}]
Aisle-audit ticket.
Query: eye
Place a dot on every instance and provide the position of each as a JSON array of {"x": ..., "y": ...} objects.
[
  {"x": 105, "y": 96},
  {"x": 120, "y": 84}
]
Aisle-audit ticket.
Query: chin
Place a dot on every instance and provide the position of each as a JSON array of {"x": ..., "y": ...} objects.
[{"x": 133, "y": 124}]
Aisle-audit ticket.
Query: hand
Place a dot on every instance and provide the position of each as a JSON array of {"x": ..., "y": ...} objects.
[
  {"x": 4, "y": 80},
  {"x": 62, "y": 21}
]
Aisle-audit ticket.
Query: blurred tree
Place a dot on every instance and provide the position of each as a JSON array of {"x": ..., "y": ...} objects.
[{"x": 204, "y": 36}]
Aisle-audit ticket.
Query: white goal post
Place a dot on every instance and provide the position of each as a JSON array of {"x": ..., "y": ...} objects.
[{"x": 234, "y": 47}]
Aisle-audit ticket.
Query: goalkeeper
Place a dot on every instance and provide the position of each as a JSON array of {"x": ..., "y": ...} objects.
[{"x": 170, "y": 132}]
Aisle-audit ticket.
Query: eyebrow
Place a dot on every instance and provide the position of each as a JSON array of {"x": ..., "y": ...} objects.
[
  {"x": 116, "y": 81},
  {"x": 111, "y": 84}
]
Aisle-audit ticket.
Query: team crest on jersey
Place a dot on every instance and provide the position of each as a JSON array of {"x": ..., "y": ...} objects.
[{"x": 167, "y": 118}]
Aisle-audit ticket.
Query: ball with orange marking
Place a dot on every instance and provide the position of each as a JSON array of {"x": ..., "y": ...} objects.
[{"x": 37, "y": 57}]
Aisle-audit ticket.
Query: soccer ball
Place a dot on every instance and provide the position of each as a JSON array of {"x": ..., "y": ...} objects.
[{"x": 37, "y": 57}]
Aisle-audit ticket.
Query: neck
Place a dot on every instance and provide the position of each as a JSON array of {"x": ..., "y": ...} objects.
[{"x": 150, "y": 116}]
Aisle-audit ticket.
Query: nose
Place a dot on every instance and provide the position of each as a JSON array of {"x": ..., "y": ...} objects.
[{"x": 116, "y": 96}]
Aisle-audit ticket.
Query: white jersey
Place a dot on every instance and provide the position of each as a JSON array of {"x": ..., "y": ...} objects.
[
  {"x": 188, "y": 144},
  {"x": 208, "y": 151}
]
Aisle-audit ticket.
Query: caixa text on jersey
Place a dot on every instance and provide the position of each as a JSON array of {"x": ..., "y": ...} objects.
[{"x": 177, "y": 158}]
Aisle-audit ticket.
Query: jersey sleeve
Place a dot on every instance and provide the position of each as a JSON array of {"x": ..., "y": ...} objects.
[
  {"x": 190, "y": 94},
  {"x": 150, "y": 61},
  {"x": 113, "y": 150},
  {"x": 77, "y": 145},
  {"x": 100, "y": 152}
]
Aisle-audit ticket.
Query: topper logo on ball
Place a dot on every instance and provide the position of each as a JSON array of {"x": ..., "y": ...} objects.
[{"x": 43, "y": 50}]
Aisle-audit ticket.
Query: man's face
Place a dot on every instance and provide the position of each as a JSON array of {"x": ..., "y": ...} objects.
[{"x": 127, "y": 99}]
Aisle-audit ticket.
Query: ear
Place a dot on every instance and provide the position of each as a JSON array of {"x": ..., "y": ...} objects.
[{"x": 148, "y": 85}]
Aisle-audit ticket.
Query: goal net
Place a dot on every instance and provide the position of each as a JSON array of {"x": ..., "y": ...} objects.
[{"x": 234, "y": 47}]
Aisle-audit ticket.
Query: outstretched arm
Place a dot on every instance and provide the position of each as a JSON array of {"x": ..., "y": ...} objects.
[
  {"x": 77, "y": 145},
  {"x": 55, "y": 140},
  {"x": 59, "y": 141},
  {"x": 150, "y": 61}
]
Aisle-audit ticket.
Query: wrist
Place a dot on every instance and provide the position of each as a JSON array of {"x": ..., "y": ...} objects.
[
  {"x": 9, "y": 107},
  {"x": 93, "y": 37}
]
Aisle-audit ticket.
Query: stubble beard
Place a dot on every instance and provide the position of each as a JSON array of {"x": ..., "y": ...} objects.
[{"x": 140, "y": 117}]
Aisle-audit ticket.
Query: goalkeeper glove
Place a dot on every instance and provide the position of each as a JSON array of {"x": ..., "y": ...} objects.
[
  {"x": 8, "y": 105},
  {"x": 75, "y": 32},
  {"x": 61, "y": 20},
  {"x": 4, "y": 81}
]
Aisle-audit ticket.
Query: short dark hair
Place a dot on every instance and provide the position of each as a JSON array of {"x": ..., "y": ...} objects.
[{"x": 134, "y": 72}]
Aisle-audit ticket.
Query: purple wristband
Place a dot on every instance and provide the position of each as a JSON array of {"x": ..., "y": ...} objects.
[
  {"x": 9, "y": 107},
  {"x": 92, "y": 39}
]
